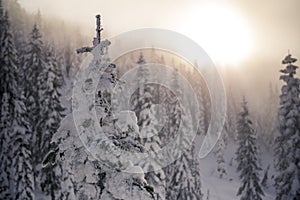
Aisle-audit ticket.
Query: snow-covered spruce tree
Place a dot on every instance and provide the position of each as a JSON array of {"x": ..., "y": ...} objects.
[
  {"x": 94, "y": 179},
  {"x": 2, "y": 20},
  {"x": 142, "y": 99},
  {"x": 7, "y": 84},
  {"x": 231, "y": 117},
  {"x": 182, "y": 176},
  {"x": 19, "y": 24},
  {"x": 173, "y": 110},
  {"x": 1, "y": 17},
  {"x": 142, "y": 103},
  {"x": 16, "y": 170},
  {"x": 287, "y": 181},
  {"x": 83, "y": 175},
  {"x": 203, "y": 94},
  {"x": 246, "y": 157},
  {"x": 184, "y": 181},
  {"x": 221, "y": 168},
  {"x": 174, "y": 117},
  {"x": 80, "y": 171},
  {"x": 130, "y": 184},
  {"x": 79, "y": 175},
  {"x": 5, "y": 156},
  {"x": 52, "y": 113},
  {"x": 33, "y": 67},
  {"x": 122, "y": 137}
]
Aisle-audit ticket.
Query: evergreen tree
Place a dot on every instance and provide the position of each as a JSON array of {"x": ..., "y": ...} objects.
[
  {"x": 94, "y": 179},
  {"x": 288, "y": 142},
  {"x": 79, "y": 174},
  {"x": 33, "y": 67},
  {"x": 182, "y": 176},
  {"x": 248, "y": 168},
  {"x": 5, "y": 156},
  {"x": 2, "y": 20},
  {"x": 22, "y": 155},
  {"x": 19, "y": 23},
  {"x": 142, "y": 103},
  {"x": 16, "y": 170},
  {"x": 7, "y": 83},
  {"x": 231, "y": 116},
  {"x": 221, "y": 168},
  {"x": 51, "y": 109}
]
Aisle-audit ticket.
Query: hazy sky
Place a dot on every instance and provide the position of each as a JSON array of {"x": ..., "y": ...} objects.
[{"x": 272, "y": 26}]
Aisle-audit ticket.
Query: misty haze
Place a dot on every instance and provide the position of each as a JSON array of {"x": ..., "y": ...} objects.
[{"x": 86, "y": 113}]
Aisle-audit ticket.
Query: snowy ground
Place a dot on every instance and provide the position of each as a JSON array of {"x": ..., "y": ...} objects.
[{"x": 227, "y": 187}]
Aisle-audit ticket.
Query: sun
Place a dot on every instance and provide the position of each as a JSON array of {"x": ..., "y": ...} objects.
[{"x": 221, "y": 31}]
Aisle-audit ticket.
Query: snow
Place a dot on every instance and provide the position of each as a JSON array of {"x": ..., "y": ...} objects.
[
  {"x": 227, "y": 187},
  {"x": 127, "y": 120},
  {"x": 81, "y": 170}
]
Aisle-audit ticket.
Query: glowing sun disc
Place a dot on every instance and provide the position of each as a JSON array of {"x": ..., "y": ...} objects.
[{"x": 221, "y": 31}]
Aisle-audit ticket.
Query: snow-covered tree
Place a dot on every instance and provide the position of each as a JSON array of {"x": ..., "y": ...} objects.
[
  {"x": 52, "y": 113},
  {"x": 33, "y": 66},
  {"x": 182, "y": 176},
  {"x": 20, "y": 24},
  {"x": 79, "y": 175},
  {"x": 5, "y": 156},
  {"x": 287, "y": 181},
  {"x": 130, "y": 184},
  {"x": 22, "y": 155},
  {"x": 231, "y": 116},
  {"x": 125, "y": 136},
  {"x": 203, "y": 95},
  {"x": 16, "y": 180},
  {"x": 246, "y": 157},
  {"x": 7, "y": 84},
  {"x": 92, "y": 178},
  {"x": 142, "y": 103},
  {"x": 2, "y": 19},
  {"x": 221, "y": 168}
]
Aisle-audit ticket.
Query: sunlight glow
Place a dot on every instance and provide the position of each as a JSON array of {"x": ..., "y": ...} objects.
[{"x": 221, "y": 31}]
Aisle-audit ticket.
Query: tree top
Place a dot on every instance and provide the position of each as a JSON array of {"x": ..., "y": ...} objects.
[{"x": 289, "y": 59}]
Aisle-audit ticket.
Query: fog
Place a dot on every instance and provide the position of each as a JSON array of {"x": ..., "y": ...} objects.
[{"x": 274, "y": 24}]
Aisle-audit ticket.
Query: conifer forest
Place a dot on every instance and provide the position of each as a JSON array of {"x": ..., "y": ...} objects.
[{"x": 101, "y": 107}]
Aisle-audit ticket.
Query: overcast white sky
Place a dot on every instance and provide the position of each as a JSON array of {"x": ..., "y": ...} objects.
[{"x": 274, "y": 24}]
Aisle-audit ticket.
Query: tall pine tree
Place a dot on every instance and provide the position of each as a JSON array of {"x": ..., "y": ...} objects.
[
  {"x": 182, "y": 176},
  {"x": 34, "y": 67},
  {"x": 221, "y": 168},
  {"x": 16, "y": 177},
  {"x": 51, "y": 109},
  {"x": 142, "y": 102},
  {"x": 248, "y": 168},
  {"x": 6, "y": 84},
  {"x": 287, "y": 148}
]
